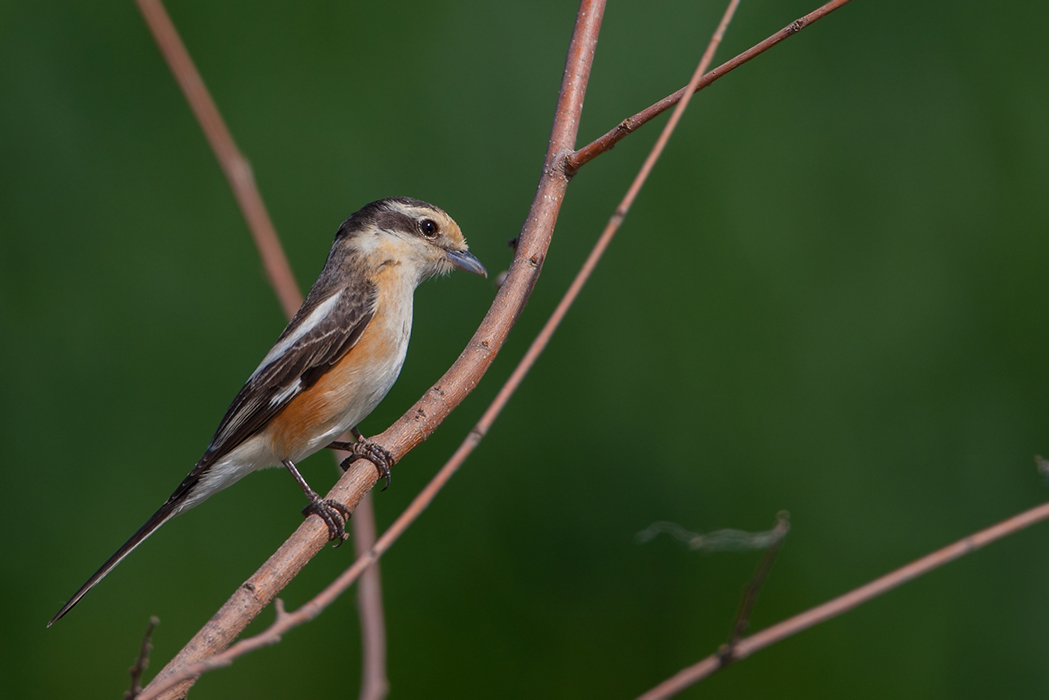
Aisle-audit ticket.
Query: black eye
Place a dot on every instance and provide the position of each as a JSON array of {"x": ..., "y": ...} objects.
[{"x": 428, "y": 227}]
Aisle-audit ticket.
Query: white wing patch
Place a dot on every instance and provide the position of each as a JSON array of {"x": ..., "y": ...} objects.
[
  {"x": 286, "y": 393},
  {"x": 308, "y": 324}
]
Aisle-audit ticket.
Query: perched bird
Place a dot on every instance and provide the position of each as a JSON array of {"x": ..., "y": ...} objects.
[{"x": 330, "y": 367}]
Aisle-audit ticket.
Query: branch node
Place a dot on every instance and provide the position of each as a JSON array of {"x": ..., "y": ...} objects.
[
  {"x": 278, "y": 605},
  {"x": 726, "y": 654},
  {"x": 560, "y": 165}
]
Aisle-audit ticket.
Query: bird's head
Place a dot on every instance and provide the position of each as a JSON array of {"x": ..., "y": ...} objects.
[{"x": 409, "y": 234}]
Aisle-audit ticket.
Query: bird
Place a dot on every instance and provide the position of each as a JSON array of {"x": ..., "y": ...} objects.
[{"x": 335, "y": 361}]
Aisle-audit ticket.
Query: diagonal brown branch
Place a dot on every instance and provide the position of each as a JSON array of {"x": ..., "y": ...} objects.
[
  {"x": 373, "y": 678},
  {"x": 842, "y": 604},
  {"x": 236, "y": 167},
  {"x": 423, "y": 418},
  {"x": 587, "y": 153}
]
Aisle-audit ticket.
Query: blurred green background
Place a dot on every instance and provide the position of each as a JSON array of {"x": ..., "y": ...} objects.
[{"x": 830, "y": 299}]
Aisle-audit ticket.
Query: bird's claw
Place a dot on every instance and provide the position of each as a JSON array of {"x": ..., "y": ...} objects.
[
  {"x": 375, "y": 453},
  {"x": 334, "y": 514}
]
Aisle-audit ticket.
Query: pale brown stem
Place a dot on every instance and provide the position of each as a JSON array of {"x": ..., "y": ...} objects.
[
  {"x": 424, "y": 417},
  {"x": 278, "y": 271},
  {"x": 605, "y": 143},
  {"x": 747, "y": 646},
  {"x": 374, "y": 684},
  {"x": 236, "y": 167}
]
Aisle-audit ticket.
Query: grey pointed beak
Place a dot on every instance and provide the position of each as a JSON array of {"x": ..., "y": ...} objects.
[{"x": 465, "y": 260}]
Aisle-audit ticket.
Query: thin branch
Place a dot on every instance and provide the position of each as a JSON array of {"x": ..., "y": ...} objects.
[
  {"x": 374, "y": 684},
  {"x": 850, "y": 600},
  {"x": 750, "y": 596},
  {"x": 236, "y": 167},
  {"x": 424, "y": 417},
  {"x": 142, "y": 662},
  {"x": 281, "y": 278},
  {"x": 587, "y": 153}
]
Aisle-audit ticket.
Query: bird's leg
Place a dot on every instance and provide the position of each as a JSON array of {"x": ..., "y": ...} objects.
[
  {"x": 366, "y": 449},
  {"x": 333, "y": 513}
]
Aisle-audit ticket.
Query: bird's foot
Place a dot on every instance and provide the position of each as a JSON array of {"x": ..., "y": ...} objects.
[
  {"x": 375, "y": 453},
  {"x": 334, "y": 514}
]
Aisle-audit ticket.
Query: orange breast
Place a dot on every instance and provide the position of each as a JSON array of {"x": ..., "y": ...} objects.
[{"x": 344, "y": 395}]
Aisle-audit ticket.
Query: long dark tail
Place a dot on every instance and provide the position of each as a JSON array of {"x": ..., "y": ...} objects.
[{"x": 166, "y": 512}]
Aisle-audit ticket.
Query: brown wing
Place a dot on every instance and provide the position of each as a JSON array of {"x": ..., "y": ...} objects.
[{"x": 321, "y": 333}]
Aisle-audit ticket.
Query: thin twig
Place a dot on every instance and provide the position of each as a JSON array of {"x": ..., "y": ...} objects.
[
  {"x": 142, "y": 663},
  {"x": 282, "y": 279},
  {"x": 850, "y": 600},
  {"x": 424, "y": 417},
  {"x": 374, "y": 684},
  {"x": 587, "y": 153},
  {"x": 750, "y": 596},
  {"x": 236, "y": 167}
]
